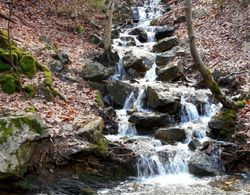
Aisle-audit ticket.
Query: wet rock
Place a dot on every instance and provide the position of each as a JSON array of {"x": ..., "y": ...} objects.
[
  {"x": 170, "y": 72},
  {"x": 165, "y": 44},
  {"x": 149, "y": 120},
  {"x": 141, "y": 34},
  {"x": 202, "y": 164},
  {"x": 194, "y": 144},
  {"x": 95, "y": 39},
  {"x": 163, "y": 32},
  {"x": 94, "y": 71},
  {"x": 109, "y": 116},
  {"x": 117, "y": 92},
  {"x": 138, "y": 60},
  {"x": 136, "y": 15},
  {"x": 162, "y": 98},
  {"x": 130, "y": 40},
  {"x": 92, "y": 131},
  {"x": 222, "y": 125},
  {"x": 20, "y": 134},
  {"x": 98, "y": 86},
  {"x": 165, "y": 57},
  {"x": 170, "y": 135},
  {"x": 62, "y": 57}
]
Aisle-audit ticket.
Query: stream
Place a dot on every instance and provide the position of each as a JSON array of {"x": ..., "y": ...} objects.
[{"x": 161, "y": 168}]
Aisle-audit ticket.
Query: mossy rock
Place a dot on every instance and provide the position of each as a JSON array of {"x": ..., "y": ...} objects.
[
  {"x": 222, "y": 125},
  {"x": 99, "y": 99},
  {"x": 4, "y": 66},
  {"x": 9, "y": 125},
  {"x": 28, "y": 66},
  {"x": 10, "y": 83},
  {"x": 29, "y": 90}
]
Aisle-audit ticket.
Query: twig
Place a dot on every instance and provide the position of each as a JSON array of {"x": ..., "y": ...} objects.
[{"x": 233, "y": 73}]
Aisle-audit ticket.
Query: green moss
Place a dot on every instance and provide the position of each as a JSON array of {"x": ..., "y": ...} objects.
[
  {"x": 101, "y": 147},
  {"x": 215, "y": 88},
  {"x": 46, "y": 73},
  {"x": 4, "y": 66},
  {"x": 5, "y": 131},
  {"x": 241, "y": 104},
  {"x": 10, "y": 83},
  {"x": 30, "y": 109},
  {"x": 27, "y": 64},
  {"x": 99, "y": 99},
  {"x": 87, "y": 191},
  {"x": 29, "y": 90},
  {"x": 31, "y": 122},
  {"x": 228, "y": 117},
  {"x": 97, "y": 4}
]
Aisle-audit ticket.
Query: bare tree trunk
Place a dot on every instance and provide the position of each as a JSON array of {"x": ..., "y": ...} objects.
[
  {"x": 206, "y": 74},
  {"x": 108, "y": 27},
  {"x": 9, "y": 35}
]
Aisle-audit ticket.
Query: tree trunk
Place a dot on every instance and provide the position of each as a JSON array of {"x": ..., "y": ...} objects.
[
  {"x": 108, "y": 27},
  {"x": 203, "y": 69}
]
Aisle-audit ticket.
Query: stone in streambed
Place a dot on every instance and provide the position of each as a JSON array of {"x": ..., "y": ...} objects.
[
  {"x": 170, "y": 72},
  {"x": 194, "y": 144},
  {"x": 94, "y": 71},
  {"x": 117, "y": 92},
  {"x": 202, "y": 164},
  {"x": 149, "y": 120},
  {"x": 163, "y": 32},
  {"x": 141, "y": 34},
  {"x": 162, "y": 98},
  {"x": 165, "y": 44},
  {"x": 170, "y": 135}
]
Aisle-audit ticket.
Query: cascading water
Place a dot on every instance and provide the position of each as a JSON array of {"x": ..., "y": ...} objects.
[{"x": 157, "y": 163}]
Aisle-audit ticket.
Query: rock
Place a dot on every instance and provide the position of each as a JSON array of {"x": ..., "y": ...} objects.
[
  {"x": 117, "y": 92},
  {"x": 170, "y": 135},
  {"x": 56, "y": 66},
  {"x": 139, "y": 60},
  {"x": 194, "y": 144},
  {"x": 92, "y": 131},
  {"x": 98, "y": 86},
  {"x": 94, "y": 71},
  {"x": 136, "y": 15},
  {"x": 163, "y": 32},
  {"x": 62, "y": 57},
  {"x": 123, "y": 13},
  {"x": 95, "y": 39},
  {"x": 165, "y": 57},
  {"x": 222, "y": 125},
  {"x": 140, "y": 33},
  {"x": 109, "y": 116},
  {"x": 202, "y": 164},
  {"x": 163, "y": 98},
  {"x": 170, "y": 72},
  {"x": 149, "y": 120},
  {"x": 165, "y": 44},
  {"x": 130, "y": 40},
  {"x": 20, "y": 134}
]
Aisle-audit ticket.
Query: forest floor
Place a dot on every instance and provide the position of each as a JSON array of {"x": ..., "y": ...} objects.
[
  {"x": 67, "y": 31},
  {"x": 223, "y": 35}
]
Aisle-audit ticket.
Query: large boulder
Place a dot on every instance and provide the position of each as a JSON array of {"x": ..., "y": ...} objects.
[
  {"x": 117, "y": 92},
  {"x": 202, "y": 164},
  {"x": 92, "y": 131},
  {"x": 165, "y": 44},
  {"x": 141, "y": 34},
  {"x": 165, "y": 57},
  {"x": 170, "y": 72},
  {"x": 138, "y": 59},
  {"x": 162, "y": 32},
  {"x": 163, "y": 98},
  {"x": 222, "y": 125},
  {"x": 128, "y": 41},
  {"x": 20, "y": 134},
  {"x": 94, "y": 71},
  {"x": 170, "y": 135},
  {"x": 149, "y": 120}
]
